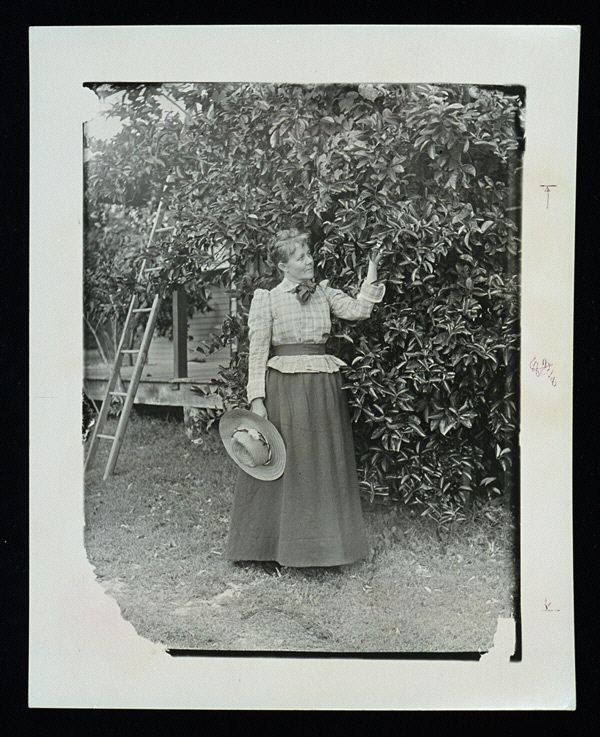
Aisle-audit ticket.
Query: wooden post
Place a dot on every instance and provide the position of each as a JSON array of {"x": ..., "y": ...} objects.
[{"x": 180, "y": 336}]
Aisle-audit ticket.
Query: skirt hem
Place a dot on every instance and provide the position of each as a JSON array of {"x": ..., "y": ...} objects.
[{"x": 282, "y": 561}]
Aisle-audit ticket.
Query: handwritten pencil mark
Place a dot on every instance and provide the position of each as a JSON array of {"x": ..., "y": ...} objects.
[
  {"x": 548, "y": 606},
  {"x": 547, "y": 191},
  {"x": 543, "y": 367}
]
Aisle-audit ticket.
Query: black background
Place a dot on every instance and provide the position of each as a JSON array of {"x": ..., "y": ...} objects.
[{"x": 15, "y": 19}]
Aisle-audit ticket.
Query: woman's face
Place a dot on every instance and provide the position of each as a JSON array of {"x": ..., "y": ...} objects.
[{"x": 300, "y": 265}]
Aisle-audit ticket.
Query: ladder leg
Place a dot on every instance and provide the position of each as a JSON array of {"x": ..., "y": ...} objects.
[
  {"x": 103, "y": 414},
  {"x": 132, "y": 390},
  {"x": 115, "y": 376}
]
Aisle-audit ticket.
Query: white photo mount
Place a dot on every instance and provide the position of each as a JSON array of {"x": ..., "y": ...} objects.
[{"x": 82, "y": 653}]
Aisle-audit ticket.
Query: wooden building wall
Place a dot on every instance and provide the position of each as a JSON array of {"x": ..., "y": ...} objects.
[
  {"x": 200, "y": 326},
  {"x": 159, "y": 383}
]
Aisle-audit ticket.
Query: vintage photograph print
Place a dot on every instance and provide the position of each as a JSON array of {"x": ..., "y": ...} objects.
[{"x": 301, "y": 312}]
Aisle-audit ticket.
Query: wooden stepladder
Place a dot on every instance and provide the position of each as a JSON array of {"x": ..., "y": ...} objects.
[{"x": 142, "y": 352}]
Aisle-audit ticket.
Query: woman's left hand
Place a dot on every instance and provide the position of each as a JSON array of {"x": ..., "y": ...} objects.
[
  {"x": 375, "y": 255},
  {"x": 374, "y": 259}
]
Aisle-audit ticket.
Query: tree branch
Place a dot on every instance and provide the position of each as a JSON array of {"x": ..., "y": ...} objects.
[{"x": 98, "y": 343}]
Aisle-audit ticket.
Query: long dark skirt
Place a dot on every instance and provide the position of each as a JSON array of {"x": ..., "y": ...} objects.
[{"x": 310, "y": 516}]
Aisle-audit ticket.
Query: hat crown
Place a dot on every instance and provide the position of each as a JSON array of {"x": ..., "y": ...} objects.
[{"x": 250, "y": 447}]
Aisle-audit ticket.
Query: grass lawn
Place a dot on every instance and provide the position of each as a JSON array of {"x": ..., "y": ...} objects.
[{"x": 156, "y": 531}]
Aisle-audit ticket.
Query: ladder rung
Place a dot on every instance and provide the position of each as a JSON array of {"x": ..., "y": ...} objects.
[
  {"x": 143, "y": 309},
  {"x": 168, "y": 227},
  {"x": 130, "y": 350},
  {"x": 106, "y": 437},
  {"x": 152, "y": 268},
  {"x": 118, "y": 394}
]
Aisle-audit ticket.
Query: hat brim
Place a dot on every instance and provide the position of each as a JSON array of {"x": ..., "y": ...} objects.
[{"x": 237, "y": 419}]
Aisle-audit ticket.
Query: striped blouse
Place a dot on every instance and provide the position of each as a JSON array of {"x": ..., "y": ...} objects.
[{"x": 277, "y": 317}]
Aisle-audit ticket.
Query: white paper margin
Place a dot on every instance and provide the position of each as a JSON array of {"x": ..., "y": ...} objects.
[{"x": 82, "y": 653}]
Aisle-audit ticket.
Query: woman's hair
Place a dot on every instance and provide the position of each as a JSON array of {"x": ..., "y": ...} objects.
[{"x": 283, "y": 243}]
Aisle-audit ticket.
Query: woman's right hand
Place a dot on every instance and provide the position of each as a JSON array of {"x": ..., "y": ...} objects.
[{"x": 258, "y": 407}]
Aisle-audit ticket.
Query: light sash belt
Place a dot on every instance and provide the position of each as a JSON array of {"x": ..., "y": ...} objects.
[{"x": 298, "y": 349}]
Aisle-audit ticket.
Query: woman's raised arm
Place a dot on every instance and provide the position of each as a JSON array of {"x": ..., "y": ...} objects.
[{"x": 349, "y": 308}]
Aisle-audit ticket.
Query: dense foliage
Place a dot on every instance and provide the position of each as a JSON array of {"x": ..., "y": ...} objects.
[{"x": 430, "y": 171}]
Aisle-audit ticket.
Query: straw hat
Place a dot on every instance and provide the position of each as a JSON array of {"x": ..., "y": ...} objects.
[{"x": 253, "y": 443}]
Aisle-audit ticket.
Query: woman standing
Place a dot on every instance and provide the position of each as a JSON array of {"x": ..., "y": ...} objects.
[{"x": 311, "y": 515}]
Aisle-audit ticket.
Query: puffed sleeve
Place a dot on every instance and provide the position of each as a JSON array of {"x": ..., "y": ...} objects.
[
  {"x": 259, "y": 332},
  {"x": 349, "y": 308}
]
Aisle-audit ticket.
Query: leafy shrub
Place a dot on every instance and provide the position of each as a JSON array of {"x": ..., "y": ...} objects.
[{"x": 432, "y": 172}]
